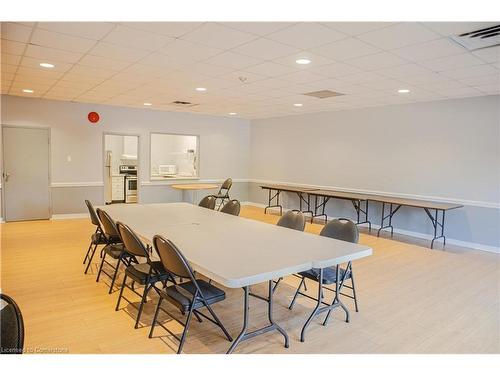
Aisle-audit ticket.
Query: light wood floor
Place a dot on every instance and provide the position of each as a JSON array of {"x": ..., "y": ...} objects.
[{"x": 412, "y": 300}]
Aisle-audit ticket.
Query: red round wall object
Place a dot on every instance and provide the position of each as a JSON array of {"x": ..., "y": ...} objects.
[{"x": 93, "y": 117}]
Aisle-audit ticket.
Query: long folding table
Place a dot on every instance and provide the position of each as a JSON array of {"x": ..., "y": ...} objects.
[
  {"x": 237, "y": 252},
  {"x": 434, "y": 210}
]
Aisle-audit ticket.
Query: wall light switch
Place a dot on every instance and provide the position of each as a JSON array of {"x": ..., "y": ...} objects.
[{"x": 68, "y": 158}]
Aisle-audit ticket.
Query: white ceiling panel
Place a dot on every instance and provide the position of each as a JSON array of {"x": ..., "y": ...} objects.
[
  {"x": 400, "y": 35},
  {"x": 60, "y": 41},
  {"x": 232, "y": 60},
  {"x": 430, "y": 50},
  {"x": 113, "y": 51},
  {"x": 15, "y": 32},
  {"x": 266, "y": 49},
  {"x": 306, "y": 35},
  {"x": 357, "y": 28},
  {"x": 218, "y": 36},
  {"x": 88, "y": 30},
  {"x": 257, "y": 28},
  {"x": 377, "y": 61},
  {"x": 11, "y": 47},
  {"x": 345, "y": 49},
  {"x": 171, "y": 29},
  {"x": 133, "y": 38},
  {"x": 248, "y": 68}
]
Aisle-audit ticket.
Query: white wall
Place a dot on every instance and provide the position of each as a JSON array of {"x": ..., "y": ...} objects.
[
  {"x": 224, "y": 142},
  {"x": 444, "y": 149}
]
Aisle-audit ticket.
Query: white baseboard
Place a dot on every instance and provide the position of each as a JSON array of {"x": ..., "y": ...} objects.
[
  {"x": 451, "y": 241},
  {"x": 69, "y": 216}
]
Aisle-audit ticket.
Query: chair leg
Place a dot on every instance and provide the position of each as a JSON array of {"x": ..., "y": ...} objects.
[
  {"x": 114, "y": 275},
  {"x": 155, "y": 317},
  {"x": 121, "y": 293},
  {"x": 90, "y": 259},
  {"x": 88, "y": 252},
  {"x": 186, "y": 327},
  {"x": 141, "y": 306},
  {"x": 100, "y": 268},
  {"x": 303, "y": 281},
  {"x": 219, "y": 323}
]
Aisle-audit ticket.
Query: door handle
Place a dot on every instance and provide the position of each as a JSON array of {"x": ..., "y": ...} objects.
[{"x": 6, "y": 176}]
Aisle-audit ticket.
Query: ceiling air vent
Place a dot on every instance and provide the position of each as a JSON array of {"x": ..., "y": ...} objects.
[
  {"x": 184, "y": 104},
  {"x": 322, "y": 94},
  {"x": 483, "y": 38}
]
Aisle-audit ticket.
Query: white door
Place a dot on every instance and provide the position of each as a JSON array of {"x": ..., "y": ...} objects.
[{"x": 25, "y": 178}]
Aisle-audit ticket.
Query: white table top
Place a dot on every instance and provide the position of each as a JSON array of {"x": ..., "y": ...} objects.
[{"x": 231, "y": 250}]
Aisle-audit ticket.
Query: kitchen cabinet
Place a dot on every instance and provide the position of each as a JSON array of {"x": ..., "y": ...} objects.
[{"x": 117, "y": 188}]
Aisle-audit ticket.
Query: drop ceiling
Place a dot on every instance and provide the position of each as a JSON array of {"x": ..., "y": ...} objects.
[{"x": 247, "y": 68}]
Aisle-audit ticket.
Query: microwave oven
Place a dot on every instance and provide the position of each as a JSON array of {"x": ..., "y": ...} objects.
[{"x": 167, "y": 170}]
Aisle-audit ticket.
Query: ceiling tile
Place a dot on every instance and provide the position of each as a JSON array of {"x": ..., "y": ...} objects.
[
  {"x": 52, "y": 55},
  {"x": 456, "y": 28},
  {"x": 61, "y": 41},
  {"x": 30, "y": 62},
  {"x": 345, "y": 49},
  {"x": 301, "y": 77},
  {"x": 187, "y": 52},
  {"x": 488, "y": 55},
  {"x": 172, "y": 29},
  {"x": 257, "y": 28},
  {"x": 400, "y": 35},
  {"x": 336, "y": 70},
  {"x": 92, "y": 72},
  {"x": 137, "y": 39},
  {"x": 10, "y": 59},
  {"x": 429, "y": 50},
  {"x": 232, "y": 60},
  {"x": 11, "y": 47},
  {"x": 362, "y": 77},
  {"x": 160, "y": 60},
  {"x": 471, "y": 71},
  {"x": 270, "y": 69},
  {"x": 208, "y": 69},
  {"x": 306, "y": 35},
  {"x": 452, "y": 62},
  {"x": 113, "y": 51},
  {"x": 376, "y": 61},
  {"x": 265, "y": 49},
  {"x": 15, "y": 32},
  {"x": 218, "y": 36},
  {"x": 403, "y": 71},
  {"x": 103, "y": 62},
  {"x": 493, "y": 79},
  {"x": 89, "y": 30},
  {"x": 356, "y": 28}
]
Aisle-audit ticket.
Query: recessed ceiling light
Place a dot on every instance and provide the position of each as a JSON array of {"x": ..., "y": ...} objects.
[
  {"x": 303, "y": 61},
  {"x": 148, "y": 104},
  {"x": 232, "y": 113},
  {"x": 47, "y": 65},
  {"x": 28, "y": 91},
  {"x": 403, "y": 91},
  {"x": 201, "y": 89},
  {"x": 298, "y": 104}
]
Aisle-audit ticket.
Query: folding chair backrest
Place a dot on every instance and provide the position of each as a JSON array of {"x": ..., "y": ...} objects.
[
  {"x": 341, "y": 229},
  {"x": 93, "y": 215},
  {"x": 108, "y": 224},
  {"x": 293, "y": 220},
  {"x": 12, "y": 326},
  {"x": 131, "y": 241},
  {"x": 232, "y": 207},
  {"x": 226, "y": 185},
  {"x": 172, "y": 259},
  {"x": 208, "y": 202}
]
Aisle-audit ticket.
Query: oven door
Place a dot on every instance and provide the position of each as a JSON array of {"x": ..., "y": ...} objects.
[{"x": 130, "y": 189}]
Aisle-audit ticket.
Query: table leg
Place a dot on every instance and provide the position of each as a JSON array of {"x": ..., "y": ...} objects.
[{"x": 244, "y": 335}]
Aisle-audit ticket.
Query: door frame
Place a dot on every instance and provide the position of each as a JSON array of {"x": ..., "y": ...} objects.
[
  {"x": 104, "y": 134},
  {"x": 49, "y": 161}
]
